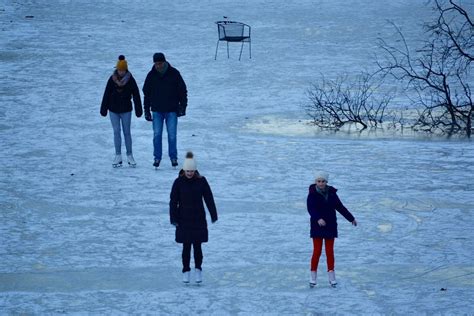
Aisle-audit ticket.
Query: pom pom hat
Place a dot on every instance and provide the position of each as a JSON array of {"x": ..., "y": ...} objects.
[
  {"x": 121, "y": 63},
  {"x": 189, "y": 163},
  {"x": 322, "y": 175}
]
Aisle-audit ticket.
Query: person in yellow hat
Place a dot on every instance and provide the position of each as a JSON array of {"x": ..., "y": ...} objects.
[{"x": 121, "y": 88}]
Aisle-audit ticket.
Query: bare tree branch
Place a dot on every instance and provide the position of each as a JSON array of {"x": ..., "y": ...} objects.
[
  {"x": 439, "y": 72},
  {"x": 335, "y": 103}
]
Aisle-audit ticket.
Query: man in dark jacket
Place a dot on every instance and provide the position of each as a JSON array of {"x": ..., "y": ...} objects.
[{"x": 166, "y": 96}]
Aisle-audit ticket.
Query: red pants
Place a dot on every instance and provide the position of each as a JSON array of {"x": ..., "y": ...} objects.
[{"x": 317, "y": 249}]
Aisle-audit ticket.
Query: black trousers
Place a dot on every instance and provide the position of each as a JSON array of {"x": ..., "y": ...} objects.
[{"x": 187, "y": 256}]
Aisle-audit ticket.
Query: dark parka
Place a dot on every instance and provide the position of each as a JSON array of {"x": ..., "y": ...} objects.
[
  {"x": 118, "y": 99},
  {"x": 187, "y": 211},
  {"x": 165, "y": 92},
  {"x": 319, "y": 207}
]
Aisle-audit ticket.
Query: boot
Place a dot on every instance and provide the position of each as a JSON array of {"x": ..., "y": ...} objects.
[
  {"x": 174, "y": 163},
  {"x": 186, "y": 276},
  {"x": 117, "y": 161},
  {"x": 198, "y": 275},
  {"x": 131, "y": 161},
  {"x": 312, "y": 279},
  {"x": 332, "y": 278}
]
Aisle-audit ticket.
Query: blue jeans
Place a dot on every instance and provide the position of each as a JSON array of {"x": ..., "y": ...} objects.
[
  {"x": 171, "y": 120},
  {"x": 125, "y": 118}
]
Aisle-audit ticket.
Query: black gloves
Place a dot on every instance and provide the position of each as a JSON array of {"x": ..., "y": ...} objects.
[
  {"x": 148, "y": 116},
  {"x": 181, "y": 111},
  {"x": 138, "y": 111},
  {"x": 103, "y": 112}
]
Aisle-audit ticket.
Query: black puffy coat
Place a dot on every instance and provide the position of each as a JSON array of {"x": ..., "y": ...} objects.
[
  {"x": 165, "y": 93},
  {"x": 187, "y": 209},
  {"x": 319, "y": 207},
  {"x": 118, "y": 99}
]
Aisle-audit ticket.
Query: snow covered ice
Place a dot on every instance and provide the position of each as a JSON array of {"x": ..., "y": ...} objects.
[{"x": 79, "y": 237}]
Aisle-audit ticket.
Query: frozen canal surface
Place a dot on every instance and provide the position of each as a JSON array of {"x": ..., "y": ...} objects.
[{"x": 78, "y": 237}]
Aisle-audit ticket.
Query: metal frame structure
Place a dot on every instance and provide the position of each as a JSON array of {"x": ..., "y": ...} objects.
[{"x": 232, "y": 31}]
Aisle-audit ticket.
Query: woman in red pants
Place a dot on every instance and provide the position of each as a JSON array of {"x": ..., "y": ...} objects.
[{"x": 322, "y": 204}]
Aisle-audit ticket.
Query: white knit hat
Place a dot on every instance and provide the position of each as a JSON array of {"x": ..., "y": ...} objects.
[
  {"x": 189, "y": 163},
  {"x": 322, "y": 175}
]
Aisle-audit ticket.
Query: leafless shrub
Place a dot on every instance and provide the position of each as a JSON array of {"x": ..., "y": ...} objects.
[{"x": 335, "y": 103}]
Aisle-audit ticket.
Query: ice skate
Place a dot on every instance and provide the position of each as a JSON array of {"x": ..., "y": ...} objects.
[
  {"x": 312, "y": 279},
  {"x": 186, "y": 277},
  {"x": 174, "y": 163},
  {"x": 131, "y": 161},
  {"x": 332, "y": 278},
  {"x": 117, "y": 161},
  {"x": 156, "y": 163},
  {"x": 198, "y": 276}
]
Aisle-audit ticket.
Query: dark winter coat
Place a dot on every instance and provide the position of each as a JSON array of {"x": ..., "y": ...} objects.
[
  {"x": 319, "y": 207},
  {"x": 118, "y": 99},
  {"x": 165, "y": 92},
  {"x": 187, "y": 211}
]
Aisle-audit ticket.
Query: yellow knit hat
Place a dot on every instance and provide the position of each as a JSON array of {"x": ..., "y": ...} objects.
[{"x": 121, "y": 63}]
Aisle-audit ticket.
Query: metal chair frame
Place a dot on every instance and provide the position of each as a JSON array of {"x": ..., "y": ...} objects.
[{"x": 233, "y": 31}]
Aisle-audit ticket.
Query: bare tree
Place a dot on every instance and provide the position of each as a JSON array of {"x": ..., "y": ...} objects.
[
  {"x": 454, "y": 24},
  {"x": 335, "y": 103},
  {"x": 438, "y": 74}
]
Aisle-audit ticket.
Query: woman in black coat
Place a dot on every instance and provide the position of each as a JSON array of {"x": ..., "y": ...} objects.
[
  {"x": 187, "y": 213},
  {"x": 322, "y": 204},
  {"x": 120, "y": 89}
]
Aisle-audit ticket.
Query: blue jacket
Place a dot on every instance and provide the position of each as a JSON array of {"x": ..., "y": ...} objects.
[
  {"x": 319, "y": 207},
  {"x": 165, "y": 93}
]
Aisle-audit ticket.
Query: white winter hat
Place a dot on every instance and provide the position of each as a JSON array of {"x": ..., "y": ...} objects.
[
  {"x": 322, "y": 175},
  {"x": 189, "y": 163}
]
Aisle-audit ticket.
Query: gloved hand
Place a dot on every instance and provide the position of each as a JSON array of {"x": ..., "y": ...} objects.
[
  {"x": 103, "y": 112},
  {"x": 213, "y": 221},
  {"x": 138, "y": 111},
  {"x": 148, "y": 116},
  {"x": 181, "y": 111}
]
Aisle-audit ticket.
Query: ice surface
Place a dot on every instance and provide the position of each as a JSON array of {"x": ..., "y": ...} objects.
[{"x": 79, "y": 237}]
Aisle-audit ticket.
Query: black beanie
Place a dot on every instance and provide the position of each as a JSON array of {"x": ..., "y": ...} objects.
[{"x": 159, "y": 57}]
